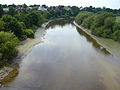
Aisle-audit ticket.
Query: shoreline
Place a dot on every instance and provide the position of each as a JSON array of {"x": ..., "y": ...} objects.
[
  {"x": 24, "y": 48},
  {"x": 99, "y": 40}
]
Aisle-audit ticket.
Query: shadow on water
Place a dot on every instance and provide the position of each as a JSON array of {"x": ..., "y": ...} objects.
[{"x": 93, "y": 41}]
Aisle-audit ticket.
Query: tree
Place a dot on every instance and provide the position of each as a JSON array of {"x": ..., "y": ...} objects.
[
  {"x": 75, "y": 10},
  {"x": 1, "y": 11},
  {"x": 29, "y": 33},
  {"x": 8, "y": 43},
  {"x": 12, "y": 25},
  {"x": 109, "y": 22},
  {"x": 81, "y": 16},
  {"x": 100, "y": 18},
  {"x": 116, "y": 26},
  {"x": 12, "y": 11},
  {"x": 88, "y": 22},
  {"x": 2, "y": 24},
  {"x": 116, "y": 35}
]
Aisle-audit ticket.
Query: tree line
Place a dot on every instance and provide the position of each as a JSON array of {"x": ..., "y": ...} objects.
[
  {"x": 16, "y": 26},
  {"x": 104, "y": 24},
  {"x": 18, "y": 22}
]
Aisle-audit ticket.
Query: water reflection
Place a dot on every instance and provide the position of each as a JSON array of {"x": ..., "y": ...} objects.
[
  {"x": 61, "y": 23},
  {"x": 93, "y": 41}
]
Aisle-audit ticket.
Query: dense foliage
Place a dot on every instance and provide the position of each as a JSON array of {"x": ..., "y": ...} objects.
[
  {"x": 100, "y": 10},
  {"x": 18, "y": 22},
  {"x": 8, "y": 42},
  {"x": 104, "y": 24}
]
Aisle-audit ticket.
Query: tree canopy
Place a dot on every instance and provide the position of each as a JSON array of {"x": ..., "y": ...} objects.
[{"x": 101, "y": 24}]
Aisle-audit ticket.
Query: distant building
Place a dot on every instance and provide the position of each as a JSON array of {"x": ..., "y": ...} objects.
[
  {"x": 5, "y": 9},
  {"x": 42, "y": 8}
]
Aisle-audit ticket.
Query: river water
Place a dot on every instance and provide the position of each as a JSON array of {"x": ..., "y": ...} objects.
[{"x": 67, "y": 59}]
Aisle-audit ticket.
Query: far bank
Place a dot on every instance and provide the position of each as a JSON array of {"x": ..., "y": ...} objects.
[{"x": 112, "y": 46}]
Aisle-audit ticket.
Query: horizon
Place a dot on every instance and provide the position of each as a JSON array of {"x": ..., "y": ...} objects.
[{"x": 113, "y": 4}]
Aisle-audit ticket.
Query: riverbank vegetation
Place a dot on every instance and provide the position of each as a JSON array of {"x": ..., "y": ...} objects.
[
  {"x": 105, "y": 24},
  {"x": 19, "y": 22},
  {"x": 8, "y": 43}
]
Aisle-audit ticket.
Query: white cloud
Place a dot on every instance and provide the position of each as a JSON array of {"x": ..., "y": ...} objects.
[{"x": 96, "y": 3}]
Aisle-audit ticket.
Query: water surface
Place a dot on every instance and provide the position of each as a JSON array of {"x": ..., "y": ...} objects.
[{"x": 67, "y": 59}]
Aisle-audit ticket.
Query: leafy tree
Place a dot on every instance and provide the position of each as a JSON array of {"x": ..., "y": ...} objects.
[
  {"x": 75, "y": 10},
  {"x": 12, "y": 11},
  {"x": 109, "y": 22},
  {"x": 100, "y": 18},
  {"x": 116, "y": 26},
  {"x": 8, "y": 43},
  {"x": 1, "y": 11},
  {"x": 12, "y": 25},
  {"x": 2, "y": 25},
  {"x": 103, "y": 24},
  {"x": 88, "y": 22},
  {"x": 116, "y": 35},
  {"x": 81, "y": 16},
  {"x": 29, "y": 33}
]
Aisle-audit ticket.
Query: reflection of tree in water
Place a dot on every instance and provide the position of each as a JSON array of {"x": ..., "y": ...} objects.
[
  {"x": 61, "y": 23},
  {"x": 93, "y": 41},
  {"x": 11, "y": 76}
]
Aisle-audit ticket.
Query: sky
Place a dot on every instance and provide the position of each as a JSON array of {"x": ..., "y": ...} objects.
[{"x": 114, "y": 4}]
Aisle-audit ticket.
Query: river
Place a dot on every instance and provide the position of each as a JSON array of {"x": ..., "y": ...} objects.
[{"x": 66, "y": 59}]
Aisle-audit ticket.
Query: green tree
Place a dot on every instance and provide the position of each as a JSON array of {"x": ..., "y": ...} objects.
[
  {"x": 8, "y": 43},
  {"x": 12, "y": 11},
  {"x": 116, "y": 35},
  {"x": 116, "y": 26},
  {"x": 2, "y": 25},
  {"x": 12, "y": 25},
  {"x": 1, "y": 11},
  {"x": 29, "y": 33},
  {"x": 81, "y": 16},
  {"x": 109, "y": 22},
  {"x": 100, "y": 18},
  {"x": 88, "y": 21}
]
